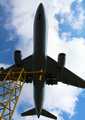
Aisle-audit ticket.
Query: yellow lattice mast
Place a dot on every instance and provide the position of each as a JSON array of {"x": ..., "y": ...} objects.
[{"x": 10, "y": 90}]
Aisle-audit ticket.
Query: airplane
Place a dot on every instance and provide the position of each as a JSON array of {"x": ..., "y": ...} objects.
[{"x": 54, "y": 71}]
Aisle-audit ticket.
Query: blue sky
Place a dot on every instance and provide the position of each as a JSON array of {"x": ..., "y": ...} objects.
[{"x": 66, "y": 26}]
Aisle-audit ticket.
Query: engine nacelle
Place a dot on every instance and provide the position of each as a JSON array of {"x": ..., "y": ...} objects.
[
  {"x": 17, "y": 57},
  {"x": 61, "y": 60}
]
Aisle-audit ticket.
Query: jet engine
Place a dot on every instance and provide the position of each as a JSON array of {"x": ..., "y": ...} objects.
[
  {"x": 17, "y": 57},
  {"x": 61, "y": 60}
]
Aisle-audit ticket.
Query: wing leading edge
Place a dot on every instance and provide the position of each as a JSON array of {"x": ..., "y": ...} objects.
[
  {"x": 64, "y": 76},
  {"x": 25, "y": 63}
]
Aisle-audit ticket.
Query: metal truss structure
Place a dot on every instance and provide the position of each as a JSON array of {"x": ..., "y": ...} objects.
[{"x": 10, "y": 90}]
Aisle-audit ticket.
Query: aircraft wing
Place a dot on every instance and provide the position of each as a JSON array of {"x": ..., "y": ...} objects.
[
  {"x": 54, "y": 75},
  {"x": 25, "y": 63}
]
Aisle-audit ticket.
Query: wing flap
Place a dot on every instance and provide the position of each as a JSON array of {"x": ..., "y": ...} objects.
[
  {"x": 64, "y": 76},
  {"x": 70, "y": 78}
]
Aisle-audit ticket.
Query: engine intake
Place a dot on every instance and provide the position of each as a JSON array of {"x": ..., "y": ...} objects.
[
  {"x": 61, "y": 60},
  {"x": 17, "y": 57}
]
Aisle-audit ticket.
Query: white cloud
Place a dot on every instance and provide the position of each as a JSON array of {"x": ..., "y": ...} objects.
[
  {"x": 61, "y": 6},
  {"x": 26, "y": 96},
  {"x": 4, "y": 65},
  {"x": 79, "y": 1},
  {"x": 6, "y": 5},
  {"x": 65, "y": 36},
  {"x": 10, "y": 38},
  {"x": 77, "y": 22},
  {"x": 62, "y": 21},
  {"x": 62, "y": 97}
]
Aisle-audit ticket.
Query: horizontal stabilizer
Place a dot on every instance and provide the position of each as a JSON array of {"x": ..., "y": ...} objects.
[
  {"x": 29, "y": 112},
  {"x": 48, "y": 114},
  {"x": 43, "y": 113}
]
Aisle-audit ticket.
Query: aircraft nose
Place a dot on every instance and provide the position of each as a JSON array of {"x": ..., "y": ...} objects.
[
  {"x": 40, "y": 5},
  {"x": 41, "y": 8},
  {"x": 40, "y": 14}
]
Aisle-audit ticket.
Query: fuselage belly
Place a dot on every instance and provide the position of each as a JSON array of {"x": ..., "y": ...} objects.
[{"x": 39, "y": 57}]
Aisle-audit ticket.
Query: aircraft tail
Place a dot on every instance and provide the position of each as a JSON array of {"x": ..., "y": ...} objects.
[
  {"x": 29, "y": 112},
  {"x": 43, "y": 113},
  {"x": 48, "y": 114}
]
